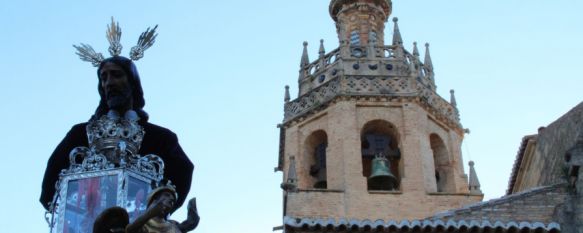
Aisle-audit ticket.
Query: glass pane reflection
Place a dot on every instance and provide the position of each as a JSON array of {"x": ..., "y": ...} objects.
[
  {"x": 136, "y": 201},
  {"x": 87, "y": 198}
]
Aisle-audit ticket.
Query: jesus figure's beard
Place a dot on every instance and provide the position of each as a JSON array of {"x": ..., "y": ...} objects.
[{"x": 119, "y": 100}]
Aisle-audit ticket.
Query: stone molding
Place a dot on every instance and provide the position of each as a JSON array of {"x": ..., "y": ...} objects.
[{"x": 371, "y": 86}]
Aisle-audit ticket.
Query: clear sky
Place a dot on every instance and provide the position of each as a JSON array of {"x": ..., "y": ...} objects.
[{"x": 216, "y": 77}]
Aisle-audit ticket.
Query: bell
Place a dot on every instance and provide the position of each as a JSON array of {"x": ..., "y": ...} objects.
[
  {"x": 381, "y": 177},
  {"x": 318, "y": 170},
  {"x": 320, "y": 174},
  {"x": 321, "y": 184}
]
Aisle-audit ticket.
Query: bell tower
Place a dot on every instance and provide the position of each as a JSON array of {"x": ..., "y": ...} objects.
[{"x": 368, "y": 137}]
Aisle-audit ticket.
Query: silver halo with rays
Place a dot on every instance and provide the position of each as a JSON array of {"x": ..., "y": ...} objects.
[{"x": 113, "y": 34}]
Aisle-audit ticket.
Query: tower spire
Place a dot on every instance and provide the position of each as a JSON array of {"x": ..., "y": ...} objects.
[
  {"x": 321, "y": 51},
  {"x": 286, "y": 97},
  {"x": 415, "y": 50},
  {"x": 474, "y": 183},
  {"x": 427, "y": 61},
  {"x": 415, "y": 63},
  {"x": 305, "y": 60},
  {"x": 452, "y": 98},
  {"x": 291, "y": 183},
  {"x": 397, "y": 40}
]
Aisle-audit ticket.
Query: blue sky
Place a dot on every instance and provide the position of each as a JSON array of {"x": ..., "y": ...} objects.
[{"x": 216, "y": 77}]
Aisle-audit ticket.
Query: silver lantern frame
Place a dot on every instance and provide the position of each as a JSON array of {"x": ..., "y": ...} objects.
[{"x": 110, "y": 168}]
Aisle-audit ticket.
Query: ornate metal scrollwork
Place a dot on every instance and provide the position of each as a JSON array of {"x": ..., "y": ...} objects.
[
  {"x": 108, "y": 132},
  {"x": 151, "y": 165},
  {"x": 110, "y": 162},
  {"x": 113, "y": 143},
  {"x": 83, "y": 159}
]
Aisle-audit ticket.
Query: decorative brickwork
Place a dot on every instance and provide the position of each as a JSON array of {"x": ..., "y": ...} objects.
[{"x": 347, "y": 196}]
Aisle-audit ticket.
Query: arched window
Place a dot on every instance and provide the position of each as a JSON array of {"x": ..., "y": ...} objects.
[
  {"x": 354, "y": 38},
  {"x": 316, "y": 145},
  {"x": 379, "y": 138},
  {"x": 443, "y": 169}
]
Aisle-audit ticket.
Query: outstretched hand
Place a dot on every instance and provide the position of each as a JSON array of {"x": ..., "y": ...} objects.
[
  {"x": 192, "y": 210},
  {"x": 192, "y": 219}
]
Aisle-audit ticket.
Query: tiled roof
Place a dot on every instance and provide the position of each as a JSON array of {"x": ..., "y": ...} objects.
[
  {"x": 502, "y": 201},
  {"x": 317, "y": 224}
]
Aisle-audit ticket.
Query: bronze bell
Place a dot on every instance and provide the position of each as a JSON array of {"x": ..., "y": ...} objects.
[
  {"x": 321, "y": 184},
  {"x": 381, "y": 177},
  {"x": 320, "y": 174}
]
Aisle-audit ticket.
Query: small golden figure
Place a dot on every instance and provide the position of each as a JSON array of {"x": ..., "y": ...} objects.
[{"x": 161, "y": 203}]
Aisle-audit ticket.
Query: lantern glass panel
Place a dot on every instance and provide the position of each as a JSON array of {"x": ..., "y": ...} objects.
[
  {"x": 136, "y": 201},
  {"x": 87, "y": 198}
]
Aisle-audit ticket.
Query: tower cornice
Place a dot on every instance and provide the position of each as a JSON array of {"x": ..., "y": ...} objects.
[
  {"x": 387, "y": 71},
  {"x": 372, "y": 88}
]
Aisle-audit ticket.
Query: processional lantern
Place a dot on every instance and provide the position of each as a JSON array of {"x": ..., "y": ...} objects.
[{"x": 108, "y": 173}]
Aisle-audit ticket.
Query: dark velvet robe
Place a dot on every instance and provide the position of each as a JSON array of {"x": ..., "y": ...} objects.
[{"x": 157, "y": 140}]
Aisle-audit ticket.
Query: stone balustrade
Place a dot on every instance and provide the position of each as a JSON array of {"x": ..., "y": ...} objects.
[
  {"x": 387, "y": 86},
  {"x": 322, "y": 63}
]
